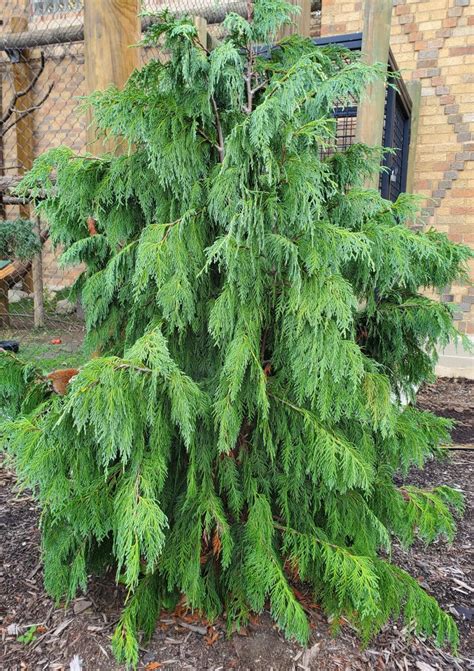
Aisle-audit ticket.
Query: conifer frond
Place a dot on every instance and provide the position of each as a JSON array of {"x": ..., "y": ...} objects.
[
  {"x": 139, "y": 528},
  {"x": 351, "y": 578},
  {"x": 264, "y": 574},
  {"x": 16, "y": 380},
  {"x": 428, "y": 512}
]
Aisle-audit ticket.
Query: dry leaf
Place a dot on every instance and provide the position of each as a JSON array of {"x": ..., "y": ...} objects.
[
  {"x": 81, "y": 605},
  {"x": 212, "y": 636},
  {"x": 91, "y": 226},
  {"x": 13, "y": 629},
  {"x": 309, "y": 655},
  {"x": 216, "y": 544},
  {"x": 151, "y": 666}
]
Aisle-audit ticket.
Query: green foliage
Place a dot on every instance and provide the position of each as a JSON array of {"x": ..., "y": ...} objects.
[
  {"x": 29, "y": 636},
  {"x": 18, "y": 239},
  {"x": 17, "y": 385},
  {"x": 256, "y": 315}
]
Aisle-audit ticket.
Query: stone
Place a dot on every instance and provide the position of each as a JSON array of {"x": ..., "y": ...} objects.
[
  {"x": 81, "y": 605},
  {"x": 16, "y": 295},
  {"x": 65, "y": 307}
]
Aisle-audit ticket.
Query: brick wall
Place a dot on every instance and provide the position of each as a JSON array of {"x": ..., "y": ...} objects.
[
  {"x": 433, "y": 42},
  {"x": 339, "y": 17}
]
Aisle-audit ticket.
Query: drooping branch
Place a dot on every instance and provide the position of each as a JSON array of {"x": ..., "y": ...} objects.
[
  {"x": 24, "y": 113},
  {"x": 19, "y": 114}
]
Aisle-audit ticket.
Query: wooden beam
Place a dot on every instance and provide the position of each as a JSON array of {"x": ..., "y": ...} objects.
[
  {"x": 42, "y": 38},
  {"x": 111, "y": 28},
  {"x": 212, "y": 11},
  {"x": 22, "y": 76},
  {"x": 201, "y": 25},
  {"x": 7, "y": 183},
  {"x": 375, "y": 49},
  {"x": 414, "y": 91},
  {"x": 24, "y": 127},
  {"x": 301, "y": 24}
]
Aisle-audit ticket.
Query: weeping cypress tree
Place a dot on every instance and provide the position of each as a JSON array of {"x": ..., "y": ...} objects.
[{"x": 255, "y": 315}]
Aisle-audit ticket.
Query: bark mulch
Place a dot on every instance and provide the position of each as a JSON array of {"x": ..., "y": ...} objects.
[
  {"x": 452, "y": 398},
  {"x": 38, "y": 635}
]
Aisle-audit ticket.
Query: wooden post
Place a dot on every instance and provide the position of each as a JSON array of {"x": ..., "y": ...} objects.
[
  {"x": 110, "y": 28},
  {"x": 414, "y": 89},
  {"x": 301, "y": 22},
  {"x": 4, "y": 316},
  {"x": 22, "y": 76},
  {"x": 375, "y": 49},
  {"x": 201, "y": 25},
  {"x": 37, "y": 274},
  {"x": 2, "y": 158}
]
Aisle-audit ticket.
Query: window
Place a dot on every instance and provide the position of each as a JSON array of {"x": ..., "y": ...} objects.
[
  {"x": 41, "y": 7},
  {"x": 396, "y": 126}
]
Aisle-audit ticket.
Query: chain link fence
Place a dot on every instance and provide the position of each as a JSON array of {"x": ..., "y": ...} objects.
[
  {"x": 42, "y": 78},
  {"x": 39, "y": 91}
]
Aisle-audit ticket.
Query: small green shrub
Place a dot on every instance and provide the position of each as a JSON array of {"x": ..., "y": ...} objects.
[{"x": 18, "y": 239}]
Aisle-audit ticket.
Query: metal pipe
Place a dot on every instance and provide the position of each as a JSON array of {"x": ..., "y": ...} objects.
[{"x": 210, "y": 11}]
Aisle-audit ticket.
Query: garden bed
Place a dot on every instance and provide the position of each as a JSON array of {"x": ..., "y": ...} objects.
[{"x": 83, "y": 629}]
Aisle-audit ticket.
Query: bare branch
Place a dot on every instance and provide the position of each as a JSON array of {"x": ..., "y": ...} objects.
[
  {"x": 26, "y": 112},
  {"x": 260, "y": 86},
  {"x": 250, "y": 62},
  {"x": 207, "y": 138},
  {"x": 198, "y": 43},
  {"x": 220, "y": 134},
  {"x": 19, "y": 94}
]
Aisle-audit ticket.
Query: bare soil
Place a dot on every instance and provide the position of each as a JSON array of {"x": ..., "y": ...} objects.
[
  {"x": 78, "y": 636},
  {"x": 452, "y": 398}
]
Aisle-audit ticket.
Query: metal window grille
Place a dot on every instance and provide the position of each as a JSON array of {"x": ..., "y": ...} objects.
[
  {"x": 396, "y": 135},
  {"x": 346, "y": 117},
  {"x": 43, "y": 7},
  {"x": 396, "y": 128},
  {"x": 346, "y": 121}
]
